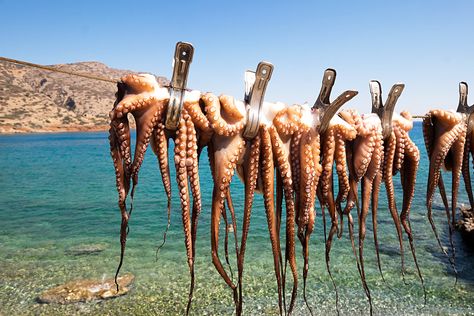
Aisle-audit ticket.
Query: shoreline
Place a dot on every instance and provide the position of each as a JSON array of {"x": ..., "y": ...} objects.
[
  {"x": 51, "y": 130},
  {"x": 8, "y": 131}
]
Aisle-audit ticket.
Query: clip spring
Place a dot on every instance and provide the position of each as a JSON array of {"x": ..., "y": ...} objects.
[
  {"x": 183, "y": 57},
  {"x": 255, "y": 87}
]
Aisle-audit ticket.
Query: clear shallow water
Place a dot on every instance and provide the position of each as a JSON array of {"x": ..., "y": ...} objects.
[{"x": 57, "y": 191}]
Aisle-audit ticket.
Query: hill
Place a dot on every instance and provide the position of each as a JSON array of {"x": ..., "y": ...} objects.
[{"x": 34, "y": 100}]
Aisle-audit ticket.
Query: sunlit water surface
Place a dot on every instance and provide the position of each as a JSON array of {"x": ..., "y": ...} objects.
[{"x": 57, "y": 191}]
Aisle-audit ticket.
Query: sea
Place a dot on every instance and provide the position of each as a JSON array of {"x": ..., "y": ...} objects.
[{"x": 57, "y": 194}]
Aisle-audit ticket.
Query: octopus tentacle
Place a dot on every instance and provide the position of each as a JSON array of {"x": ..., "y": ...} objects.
[
  {"x": 230, "y": 108},
  {"x": 137, "y": 83},
  {"x": 159, "y": 145},
  {"x": 408, "y": 180},
  {"x": 466, "y": 172},
  {"x": 233, "y": 225},
  {"x": 400, "y": 149},
  {"x": 328, "y": 146},
  {"x": 287, "y": 120},
  {"x": 251, "y": 170},
  {"x": 121, "y": 188},
  {"x": 146, "y": 116},
  {"x": 390, "y": 148},
  {"x": 284, "y": 168},
  {"x": 198, "y": 118},
  {"x": 343, "y": 177},
  {"x": 224, "y": 153},
  {"x": 295, "y": 164},
  {"x": 121, "y": 129},
  {"x": 226, "y": 239},
  {"x": 310, "y": 171},
  {"x": 428, "y": 135},
  {"x": 193, "y": 173},
  {"x": 365, "y": 143},
  {"x": 353, "y": 199},
  {"x": 278, "y": 212},
  {"x": 119, "y": 138},
  {"x": 146, "y": 112},
  {"x": 375, "y": 201},
  {"x": 191, "y": 163},
  {"x": 446, "y": 125},
  {"x": 182, "y": 179},
  {"x": 444, "y": 198},
  {"x": 457, "y": 151},
  {"x": 224, "y": 214},
  {"x": 232, "y": 123},
  {"x": 367, "y": 186},
  {"x": 267, "y": 170}
]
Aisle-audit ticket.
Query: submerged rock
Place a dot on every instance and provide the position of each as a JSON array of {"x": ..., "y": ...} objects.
[
  {"x": 466, "y": 225},
  {"x": 86, "y": 290},
  {"x": 85, "y": 249}
]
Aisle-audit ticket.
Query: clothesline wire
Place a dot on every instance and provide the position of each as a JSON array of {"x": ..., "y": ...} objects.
[
  {"x": 89, "y": 76},
  {"x": 55, "y": 69}
]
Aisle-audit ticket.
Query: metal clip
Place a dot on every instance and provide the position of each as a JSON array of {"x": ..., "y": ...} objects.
[
  {"x": 255, "y": 86},
  {"x": 463, "y": 90},
  {"x": 327, "y": 108},
  {"x": 183, "y": 56},
  {"x": 385, "y": 112}
]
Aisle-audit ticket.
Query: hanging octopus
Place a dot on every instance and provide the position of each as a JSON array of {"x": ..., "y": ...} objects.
[
  {"x": 307, "y": 164},
  {"x": 298, "y": 146},
  {"x": 400, "y": 155},
  {"x": 143, "y": 98},
  {"x": 333, "y": 142},
  {"x": 468, "y": 149},
  {"x": 364, "y": 157},
  {"x": 253, "y": 158},
  {"x": 256, "y": 160},
  {"x": 445, "y": 137}
]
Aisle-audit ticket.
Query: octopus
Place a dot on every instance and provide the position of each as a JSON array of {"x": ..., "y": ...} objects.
[
  {"x": 141, "y": 97},
  {"x": 254, "y": 161},
  {"x": 400, "y": 155},
  {"x": 448, "y": 144},
  {"x": 320, "y": 146},
  {"x": 293, "y": 159},
  {"x": 287, "y": 143},
  {"x": 364, "y": 157},
  {"x": 381, "y": 148},
  {"x": 333, "y": 142},
  {"x": 468, "y": 150}
]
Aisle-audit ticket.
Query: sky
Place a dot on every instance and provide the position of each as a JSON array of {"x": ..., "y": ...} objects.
[{"x": 428, "y": 45}]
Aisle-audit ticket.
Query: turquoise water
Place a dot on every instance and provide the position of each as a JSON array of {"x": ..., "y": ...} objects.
[{"x": 57, "y": 191}]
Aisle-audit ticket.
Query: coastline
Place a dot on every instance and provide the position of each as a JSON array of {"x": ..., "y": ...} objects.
[
  {"x": 6, "y": 130},
  {"x": 10, "y": 130}
]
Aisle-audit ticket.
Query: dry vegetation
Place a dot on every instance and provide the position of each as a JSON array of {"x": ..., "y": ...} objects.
[{"x": 34, "y": 100}]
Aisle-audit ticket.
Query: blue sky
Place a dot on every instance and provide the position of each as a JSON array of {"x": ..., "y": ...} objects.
[{"x": 428, "y": 45}]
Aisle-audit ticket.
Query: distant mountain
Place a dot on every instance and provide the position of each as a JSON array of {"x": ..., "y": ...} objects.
[{"x": 34, "y": 100}]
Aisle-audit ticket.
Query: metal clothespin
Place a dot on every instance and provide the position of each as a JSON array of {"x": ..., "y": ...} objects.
[
  {"x": 255, "y": 86},
  {"x": 385, "y": 112},
  {"x": 464, "y": 108},
  {"x": 463, "y": 90},
  {"x": 328, "y": 109},
  {"x": 183, "y": 56}
]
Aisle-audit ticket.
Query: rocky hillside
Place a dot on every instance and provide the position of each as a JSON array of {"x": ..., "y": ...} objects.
[{"x": 34, "y": 100}]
